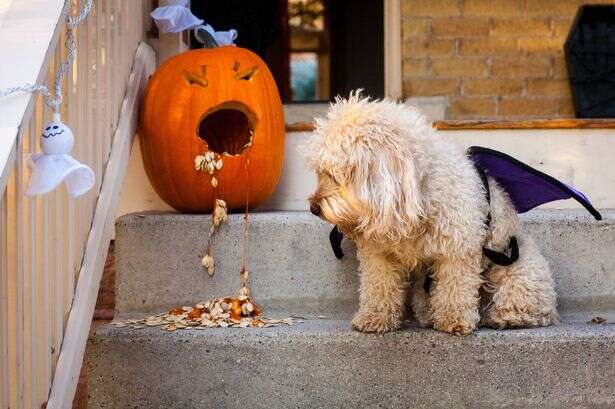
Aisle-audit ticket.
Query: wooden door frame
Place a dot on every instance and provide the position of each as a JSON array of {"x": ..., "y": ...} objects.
[{"x": 392, "y": 48}]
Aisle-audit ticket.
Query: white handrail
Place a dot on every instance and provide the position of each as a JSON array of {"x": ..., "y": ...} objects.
[
  {"x": 77, "y": 328},
  {"x": 28, "y": 36},
  {"x": 48, "y": 243}
]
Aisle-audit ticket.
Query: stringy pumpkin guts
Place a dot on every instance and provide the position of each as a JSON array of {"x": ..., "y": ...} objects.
[
  {"x": 209, "y": 163},
  {"x": 240, "y": 311},
  {"x": 208, "y": 264}
]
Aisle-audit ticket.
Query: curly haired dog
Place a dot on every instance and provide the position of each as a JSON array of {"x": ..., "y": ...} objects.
[{"x": 415, "y": 205}]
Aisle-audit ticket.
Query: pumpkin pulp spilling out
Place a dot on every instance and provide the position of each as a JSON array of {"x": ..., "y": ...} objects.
[{"x": 227, "y": 128}]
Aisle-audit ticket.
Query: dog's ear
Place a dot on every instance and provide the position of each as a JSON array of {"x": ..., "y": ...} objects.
[{"x": 388, "y": 184}]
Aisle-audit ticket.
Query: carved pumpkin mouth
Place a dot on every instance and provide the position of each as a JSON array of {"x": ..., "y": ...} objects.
[{"x": 227, "y": 128}]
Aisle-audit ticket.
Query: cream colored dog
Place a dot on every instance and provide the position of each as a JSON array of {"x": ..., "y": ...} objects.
[{"x": 415, "y": 205}]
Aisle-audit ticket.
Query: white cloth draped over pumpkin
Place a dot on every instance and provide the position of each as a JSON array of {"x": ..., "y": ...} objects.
[{"x": 176, "y": 17}]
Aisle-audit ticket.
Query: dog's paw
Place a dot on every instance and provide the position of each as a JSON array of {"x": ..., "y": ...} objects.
[
  {"x": 455, "y": 325},
  {"x": 423, "y": 316},
  {"x": 501, "y": 318},
  {"x": 375, "y": 322}
]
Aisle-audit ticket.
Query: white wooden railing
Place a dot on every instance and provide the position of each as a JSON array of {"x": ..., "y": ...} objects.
[{"x": 52, "y": 248}]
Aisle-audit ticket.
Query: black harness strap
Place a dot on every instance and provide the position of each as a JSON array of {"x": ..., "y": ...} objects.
[
  {"x": 501, "y": 259},
  {"x": 496, "y": 257},
  {"x": 485, "y": 180},
  {"x": 336, "y": 237}
]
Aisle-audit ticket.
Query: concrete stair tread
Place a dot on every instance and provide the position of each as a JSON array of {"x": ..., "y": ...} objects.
[
  {"x": 323, "y": 363},
  {"x": 572, "y": 326}
]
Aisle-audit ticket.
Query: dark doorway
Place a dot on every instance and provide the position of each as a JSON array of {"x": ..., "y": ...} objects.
[
  {"x": 357, "y": 46},
  {"x": 316, "y": 49}
]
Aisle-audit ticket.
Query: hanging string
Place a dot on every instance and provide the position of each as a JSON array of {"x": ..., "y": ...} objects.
[{"x": 54, "y": 101}]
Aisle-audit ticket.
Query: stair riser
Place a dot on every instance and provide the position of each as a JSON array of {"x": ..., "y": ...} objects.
[
  {"x": 293, "y": 269},
  {"x": 413, "y": 369}
]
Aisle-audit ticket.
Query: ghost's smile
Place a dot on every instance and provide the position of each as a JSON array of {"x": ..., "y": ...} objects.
[{"x": 53, "y": 134}]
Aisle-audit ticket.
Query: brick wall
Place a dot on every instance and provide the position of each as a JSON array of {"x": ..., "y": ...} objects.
[{"x": 493, "y": 58}]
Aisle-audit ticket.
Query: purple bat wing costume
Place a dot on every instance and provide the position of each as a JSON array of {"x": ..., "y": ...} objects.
[{"x": 526, "y": 186}]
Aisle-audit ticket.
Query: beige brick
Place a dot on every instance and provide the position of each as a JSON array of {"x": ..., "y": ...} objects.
[
  {"x": 427, "y": 47},
  {"x": 431, "y": 8},
  {"x": 521, "y": 27},
  {"x": 560, "y": 70},
  {"x": 460, "y": 27},
  {"x": 472, "y": 107},
  {"x": 416, "y": 67},
  {"x": 551, "y": 7},
  {"x": 491, "y": 8},
  {"x": 488, "y": 46},
  {"x": 525, "y": 107},
  {"x": 459, "y": 67},
  {"x": 566, "y": 109},
  {"x": 431, "y": 87},
  {"x": 548, "y": 88},
  {"x": 493, "y": 87},
  {"x": 521, "y": 67},
  {"x": 542, "y": 45},
  {"x": 416, "y": 27},
  {"x": 562, "y": 26}
]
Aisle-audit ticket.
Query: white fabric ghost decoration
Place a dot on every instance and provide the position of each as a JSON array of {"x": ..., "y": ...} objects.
[
  {"x": 176, "y": 17},
  {"x": 56, "y": 164}
]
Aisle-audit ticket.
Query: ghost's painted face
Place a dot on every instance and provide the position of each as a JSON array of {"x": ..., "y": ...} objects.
[{"x": 56, "y": 138}]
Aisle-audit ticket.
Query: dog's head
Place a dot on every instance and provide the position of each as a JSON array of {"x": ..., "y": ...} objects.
[{"x": 363, "y": 154}]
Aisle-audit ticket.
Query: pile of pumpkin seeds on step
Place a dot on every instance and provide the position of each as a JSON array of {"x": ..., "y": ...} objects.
[{"x": 235, "y": 312}]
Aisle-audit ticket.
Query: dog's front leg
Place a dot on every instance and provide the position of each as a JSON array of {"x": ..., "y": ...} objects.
[
  {"x": 454, "y": 297},
  {"x": 382, "y": 294}
]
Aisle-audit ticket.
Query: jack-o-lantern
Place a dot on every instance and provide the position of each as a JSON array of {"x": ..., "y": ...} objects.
[{"x": 221, "y": 100}]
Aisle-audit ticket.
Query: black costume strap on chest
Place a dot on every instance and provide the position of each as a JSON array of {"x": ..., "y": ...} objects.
[{"x": 335, "y": 238}]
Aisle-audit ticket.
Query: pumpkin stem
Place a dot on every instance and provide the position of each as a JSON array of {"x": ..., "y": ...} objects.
[{"x": 205, "y": 38}]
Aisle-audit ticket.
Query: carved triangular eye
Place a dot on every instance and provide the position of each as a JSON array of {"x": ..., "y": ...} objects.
[
  {"x": 193, "y": 78},
  {"x": 246, "y": 74}
]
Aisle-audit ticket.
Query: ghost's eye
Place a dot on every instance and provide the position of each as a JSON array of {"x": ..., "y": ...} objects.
[
  {"x": 55, "y": 127},
  {"x": 48, "y": 128}
]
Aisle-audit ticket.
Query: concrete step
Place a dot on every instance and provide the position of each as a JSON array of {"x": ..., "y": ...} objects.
[
  {"x": 292, "y": 268},
  {"x": 322, "y": 363}
]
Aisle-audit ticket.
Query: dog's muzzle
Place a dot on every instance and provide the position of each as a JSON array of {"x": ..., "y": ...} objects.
[{"x": 315, "y": 208}]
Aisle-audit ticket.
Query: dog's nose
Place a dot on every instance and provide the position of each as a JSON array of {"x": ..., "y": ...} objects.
[{"x": 315, "y": 209}]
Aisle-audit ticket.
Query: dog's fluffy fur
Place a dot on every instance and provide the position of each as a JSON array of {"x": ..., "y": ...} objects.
[{"x": 415, "y": 205}]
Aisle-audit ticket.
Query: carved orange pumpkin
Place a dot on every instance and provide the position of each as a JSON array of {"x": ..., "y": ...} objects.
[{"x": 222, "y": 100}]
